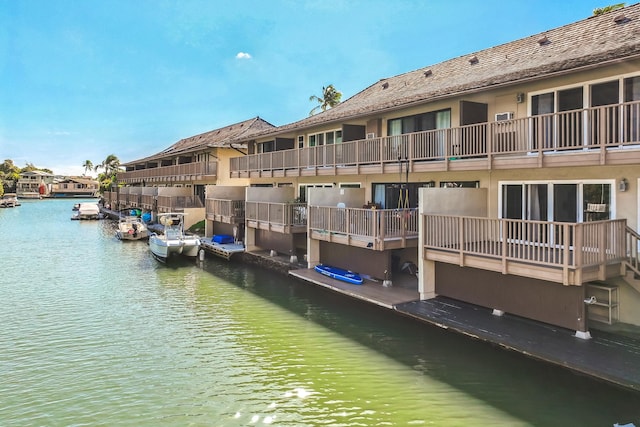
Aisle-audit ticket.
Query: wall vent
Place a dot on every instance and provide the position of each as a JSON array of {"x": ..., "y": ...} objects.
[{"x": 371, "y": 135}]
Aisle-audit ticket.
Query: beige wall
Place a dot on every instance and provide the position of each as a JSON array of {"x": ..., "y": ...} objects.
[
  {"x": 454, "y": 201},
  {"x": 173, "y": 191},
  {"x": 270, "y": 194},
  {"x": 193, "y": 216},
  {"x": 224, "y": 192},
  {"x": 223, "y": 174},
  {"x": 351, "y": 197}
]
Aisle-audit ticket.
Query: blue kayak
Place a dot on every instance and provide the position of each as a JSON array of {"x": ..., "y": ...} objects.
[{"x": 339, "y": 274}]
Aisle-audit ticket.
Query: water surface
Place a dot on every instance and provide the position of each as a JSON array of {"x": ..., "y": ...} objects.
[{"x": 96, "y": 332}]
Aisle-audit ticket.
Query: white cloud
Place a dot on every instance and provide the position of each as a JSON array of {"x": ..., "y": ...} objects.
[{"x": 243, "y": 55}]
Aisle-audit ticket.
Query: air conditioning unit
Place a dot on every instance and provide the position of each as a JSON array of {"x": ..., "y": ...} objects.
[
  {"x": 371, "y": 135},
  {"x": 501, "y": 117}
]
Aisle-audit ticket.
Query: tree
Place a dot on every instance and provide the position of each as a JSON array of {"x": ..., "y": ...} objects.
[
  {"x": 602, "y": 10},
  {"x": 88, "y": 166},
  {"x": 111, "y": 166},
  {"x": 330, "y": 98},
  {"x": 10, "y": 170}
]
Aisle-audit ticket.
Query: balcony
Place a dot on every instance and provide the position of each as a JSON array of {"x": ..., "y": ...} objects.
[
  {"x": 287, "y": 218},
  {"x": 608, "y": 135},
  {"x": 197, "y": 171},
  {"x": 376, "y": 229},
  {"x": 225, "y": 211},
  {"x": 567, "y": 253}
]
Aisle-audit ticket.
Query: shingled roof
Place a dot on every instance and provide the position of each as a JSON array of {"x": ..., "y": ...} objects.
[
  {"x": 593, "y": 41},
  {"x": 217, "y": 138}
]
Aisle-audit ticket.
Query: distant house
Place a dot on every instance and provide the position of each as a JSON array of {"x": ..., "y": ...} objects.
[
  {"x": 34, "y": 184},
  {"x": 75, "y": 187}
]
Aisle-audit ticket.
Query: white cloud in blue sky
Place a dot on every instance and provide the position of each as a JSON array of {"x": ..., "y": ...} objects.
[{"x": 131, "y": 78}]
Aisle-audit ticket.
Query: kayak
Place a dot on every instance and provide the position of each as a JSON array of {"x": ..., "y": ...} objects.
[{"x": 339, "y": 274}]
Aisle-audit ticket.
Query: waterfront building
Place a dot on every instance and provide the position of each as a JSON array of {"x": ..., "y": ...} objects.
[
  {"x": 506, "y": 178},
  {"x": 174, "y": 179},
  {"x": 34, "y": 184},
  {"x": 75, "y": 186}
]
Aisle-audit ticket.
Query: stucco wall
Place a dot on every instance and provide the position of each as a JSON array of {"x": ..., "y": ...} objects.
[
  {"x": 270, "y": 194},
  {"x": 225, "y": 192},
  {"x": 454, "y": 201},
  {"x": 351, "y": 197}
]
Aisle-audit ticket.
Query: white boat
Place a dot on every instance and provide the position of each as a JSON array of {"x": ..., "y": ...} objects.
[
  {"x": 131, "y": 228},
  {"x": 87, "y": 211},
  {"x": 9, "y": 200},
  {"x": 173, "y": 241}
]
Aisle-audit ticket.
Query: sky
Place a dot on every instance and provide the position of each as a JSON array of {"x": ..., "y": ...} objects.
[{"x": 83, "y": 79}]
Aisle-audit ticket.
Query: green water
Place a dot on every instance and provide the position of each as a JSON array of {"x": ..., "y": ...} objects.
[{"x": 95, "y": 332}]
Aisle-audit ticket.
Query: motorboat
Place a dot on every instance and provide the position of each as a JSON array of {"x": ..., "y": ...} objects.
[
  {"x": 131, "y": 228},
  {"x": 173, "y": 242},
  {"x": 87, "y": 211},
  {"x": 9, "y": 200}
]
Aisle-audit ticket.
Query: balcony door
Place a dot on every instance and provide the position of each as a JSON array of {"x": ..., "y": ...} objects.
[
  {"x": 558, "y": 131},
  {"x": 558, "y": 201}
]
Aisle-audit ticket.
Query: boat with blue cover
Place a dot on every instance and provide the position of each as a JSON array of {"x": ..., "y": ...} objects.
[{"x": 339, "y": 274}]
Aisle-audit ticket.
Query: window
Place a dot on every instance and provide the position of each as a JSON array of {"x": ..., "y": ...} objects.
[
  {"x": 397, "y": 195},
  {"x": 324, "y": 138},
  {"x": 300, "y": 141},
  {"x": 587, "y": 115},
  {"x": 266, "y": 147},
  {"x": 426, "y": 121},
  {"x": 557, "y": 201}
]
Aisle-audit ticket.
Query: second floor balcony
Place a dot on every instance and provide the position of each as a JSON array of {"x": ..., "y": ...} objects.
[
  {"x": 593, "y": 136},
  {"x": 187, "y": 172}
]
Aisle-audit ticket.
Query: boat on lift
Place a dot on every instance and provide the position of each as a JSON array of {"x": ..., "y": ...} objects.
[{"x": 173, "y": 241}]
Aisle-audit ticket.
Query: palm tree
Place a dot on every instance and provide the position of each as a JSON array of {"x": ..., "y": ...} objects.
[
  {"x": 88, "y": 166},
  {"x": 602, "y": 10},
  {"x": 330, "y": 98},
  {"x": 110, "y": 165}
]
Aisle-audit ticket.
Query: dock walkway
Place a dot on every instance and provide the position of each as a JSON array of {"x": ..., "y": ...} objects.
[
  {"x": 611, "y": 357},
  {"x": 608, "y": 356}
]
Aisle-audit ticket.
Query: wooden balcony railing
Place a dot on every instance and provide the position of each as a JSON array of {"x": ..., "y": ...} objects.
[
  {"x": 598, "y": 128},
  {"x": 281, "y": 217},
  {"x": 227, "y": 211},
  {"x": 377, "y": 229},
  {"x": 568, "y": 253},
  {"x": 184, "y": 172}
]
